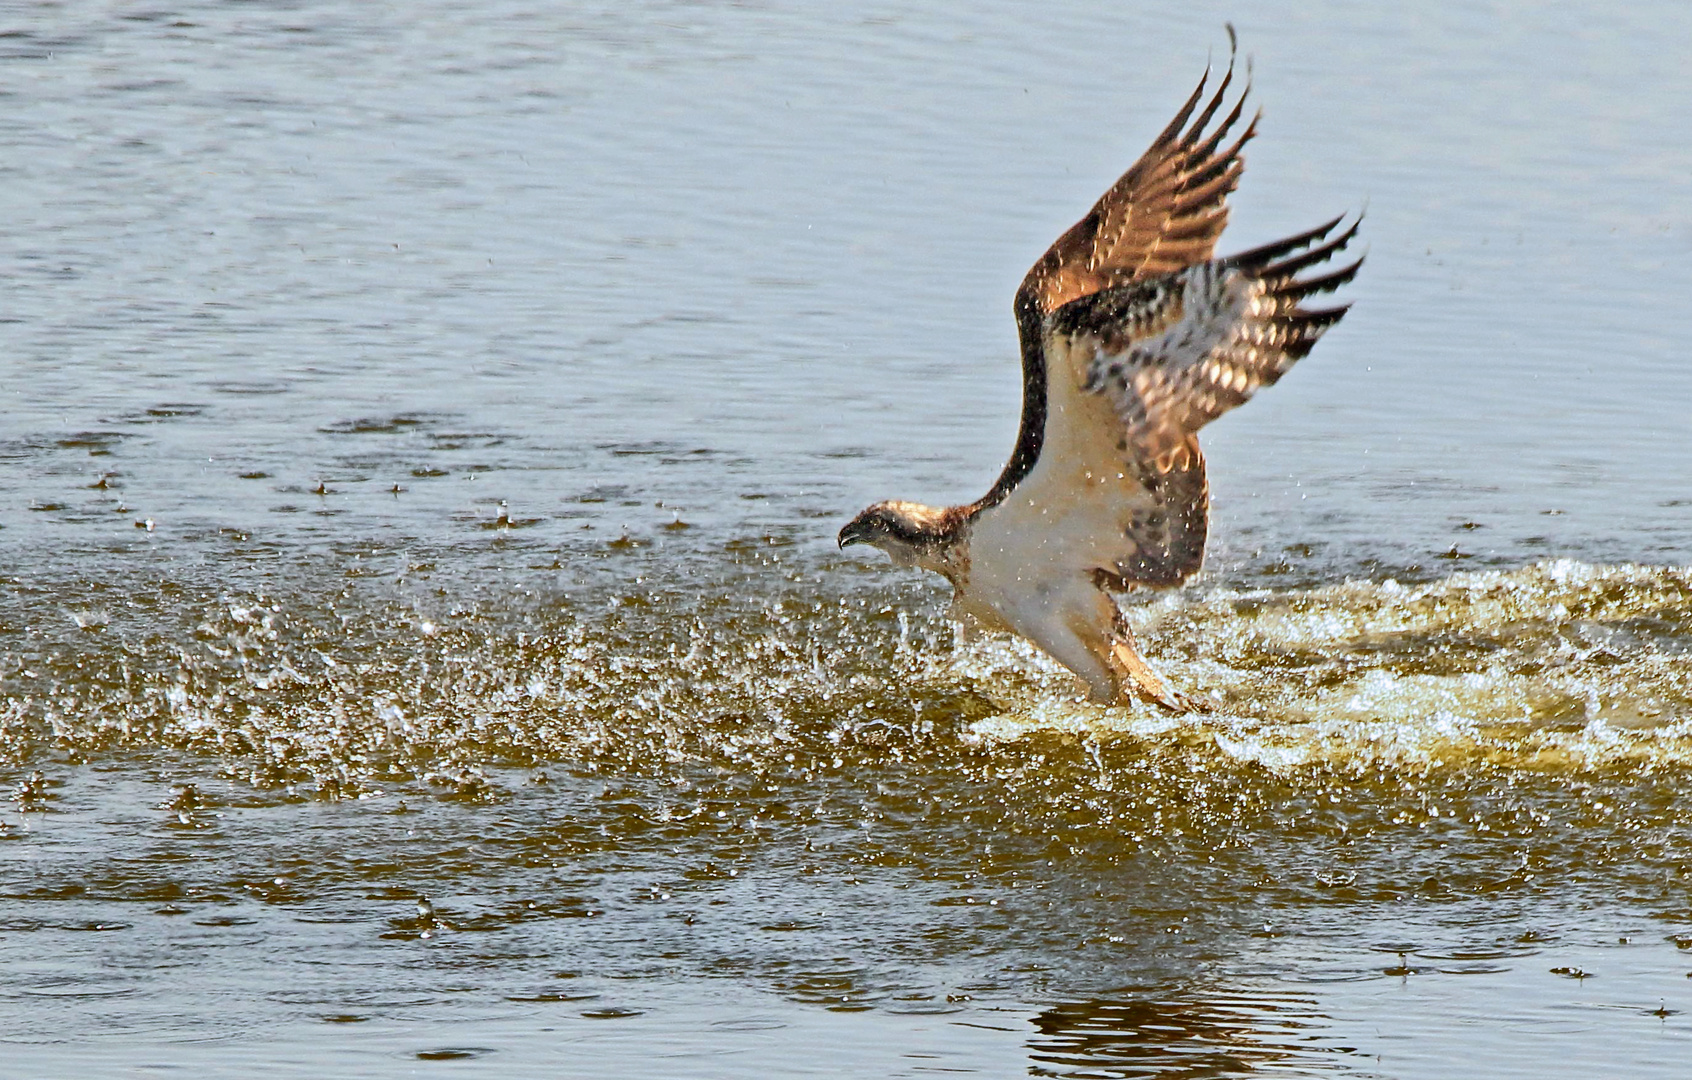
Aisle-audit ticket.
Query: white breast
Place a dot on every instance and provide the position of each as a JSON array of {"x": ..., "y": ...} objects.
[{"x": 1038, "y": 548}]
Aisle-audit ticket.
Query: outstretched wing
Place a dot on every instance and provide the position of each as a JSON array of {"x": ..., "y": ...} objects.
[
  {"x": 1132, "y": 373},
  {"x": 1174, "y": 353},
  {"x": 1164, "y": 214},
  {"x": 1133, "y": 338}
]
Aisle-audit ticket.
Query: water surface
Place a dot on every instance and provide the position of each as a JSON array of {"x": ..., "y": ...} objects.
[{"x": 422, "y": 438}]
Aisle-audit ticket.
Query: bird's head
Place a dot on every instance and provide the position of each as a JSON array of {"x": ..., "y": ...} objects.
[{"x": 905, "y": 530}]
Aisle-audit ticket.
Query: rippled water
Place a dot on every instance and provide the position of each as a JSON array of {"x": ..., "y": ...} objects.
[{"x": 422, "y": 644}]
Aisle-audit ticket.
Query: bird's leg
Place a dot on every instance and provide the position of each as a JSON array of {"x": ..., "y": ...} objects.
[{"x": 1138, "y": 678}]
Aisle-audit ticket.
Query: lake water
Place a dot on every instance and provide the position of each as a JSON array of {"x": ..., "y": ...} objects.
[{"x": 423, "y": 650}]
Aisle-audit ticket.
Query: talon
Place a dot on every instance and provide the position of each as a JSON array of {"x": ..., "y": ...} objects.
[
  {"x": 1173, "y": 700},
  {"x": 1181, "y": 703}
]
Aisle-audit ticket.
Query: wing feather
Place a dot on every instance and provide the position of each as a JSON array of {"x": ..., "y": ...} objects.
[
  {"x": 1165, "y": 213},
  {"x": 1134, "y": 336},
  {"x": 1174, "y": 353}
]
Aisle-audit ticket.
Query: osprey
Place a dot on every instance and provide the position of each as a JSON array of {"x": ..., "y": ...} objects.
[{"x": 1133, "y": 337}]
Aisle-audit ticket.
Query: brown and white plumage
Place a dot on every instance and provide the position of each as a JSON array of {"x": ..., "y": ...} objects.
[{"x": 1133, "y": 337}]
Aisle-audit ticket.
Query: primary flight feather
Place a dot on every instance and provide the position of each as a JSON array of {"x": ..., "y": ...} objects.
[{"x": 1133, "y": 337}]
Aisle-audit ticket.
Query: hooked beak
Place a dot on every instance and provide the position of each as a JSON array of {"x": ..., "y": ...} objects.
[{"x": 855, "y": 532}]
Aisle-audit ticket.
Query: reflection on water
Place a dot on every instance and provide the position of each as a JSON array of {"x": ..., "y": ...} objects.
[
  {"x": 1139, "y": 1037},
  {"x": 423, "y": 431}
]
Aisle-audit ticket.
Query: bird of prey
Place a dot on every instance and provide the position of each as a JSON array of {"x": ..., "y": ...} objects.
[{"x": 1133, "y": 338}]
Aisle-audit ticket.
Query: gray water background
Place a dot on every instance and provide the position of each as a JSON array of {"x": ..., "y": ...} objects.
[
  {"x": 781, "y": 244},
  {"x": 748, "y": 268}
]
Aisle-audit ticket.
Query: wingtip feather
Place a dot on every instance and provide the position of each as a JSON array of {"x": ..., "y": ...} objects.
[{"x": 1257, "y": 258}]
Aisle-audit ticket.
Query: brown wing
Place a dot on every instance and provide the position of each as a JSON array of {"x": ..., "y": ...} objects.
[
  {"x": 1163, "y": 215},
  {"x": 1166, "y": 544},
  {"x": 1134, "y": 372}
]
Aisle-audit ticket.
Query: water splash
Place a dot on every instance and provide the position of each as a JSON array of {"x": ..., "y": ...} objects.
[
  {"x": 1555, "y": 666},
  {"x": 1559, "y": 665}
]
